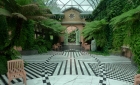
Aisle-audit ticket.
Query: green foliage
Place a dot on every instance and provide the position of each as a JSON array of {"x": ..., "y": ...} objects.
[
  {"x": 4, "y": 12},
  {"x": 49, "y": 45},
  {"x": 3, "y": 40},
  {"x": 118, "y": 37},
  {"x": 72, "y": 37},
  {"x": 108, "y": 9},
  {"x": 127, "y": 17},
  {"x": 27, "y": 35},
  {"x": 138, "y": 70},
  {"x": 96, "y": 30},
  {"x": 135, "y": 42},
  {"x": 14, "y": 54},
  {"x": 53, "y": 24},
  {"x": 20, "y": 10},
  {"x": 8, "y": 55},
  {"x": 127, "y": 31},
  {"x": 41, "y": 45},
  {"x": 3, "y": 65},
  {"x": 122, "y": 26},
  {"x": 17, "y": 12},
  {"x": 99, "y": 53},
  {"x": 23, "y": 2},
  {"x": 3, "y": 32},
  {"x": 111, "y": 8}
]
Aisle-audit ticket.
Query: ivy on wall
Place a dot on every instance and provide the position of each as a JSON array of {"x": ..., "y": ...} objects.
[
  {"x": 128, "y": 26},
  {"x": 108, "y": 9},
  {"x": 135, "y": 42},
  {"x": 111, "y": 8}
]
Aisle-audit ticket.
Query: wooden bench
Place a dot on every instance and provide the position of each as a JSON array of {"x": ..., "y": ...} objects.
[{"x": 16, "y": 70}]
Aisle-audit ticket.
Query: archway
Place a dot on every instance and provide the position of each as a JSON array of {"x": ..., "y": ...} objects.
[{"x": 72, "y": 36}]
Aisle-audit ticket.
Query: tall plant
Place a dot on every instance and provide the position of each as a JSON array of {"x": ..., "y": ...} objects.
[
  {"x": 96, "y": 30},
  {"x": 21, "y": 11},
  {"x": 128, "y": 23},
  {"x": 53, "y": 24},
  {"x": 4, "y": 39},
  {"x": 27, "y": 36},
  {"x": 17, "y": 12}
]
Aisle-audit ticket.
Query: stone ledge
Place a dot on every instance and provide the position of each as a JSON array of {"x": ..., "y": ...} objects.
[{"x": 28, "y": 52}]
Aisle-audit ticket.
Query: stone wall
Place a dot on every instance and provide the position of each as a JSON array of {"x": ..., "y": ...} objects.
[{"x": 72, "y": 18}]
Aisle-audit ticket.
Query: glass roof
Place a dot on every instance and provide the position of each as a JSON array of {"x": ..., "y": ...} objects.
[{"x": 59, "y": 6}]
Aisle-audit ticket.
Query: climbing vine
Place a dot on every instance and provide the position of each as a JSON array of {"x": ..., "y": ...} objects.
[
  {"x": 128, "y": 26},
  {"x": 108, "y": 9}
]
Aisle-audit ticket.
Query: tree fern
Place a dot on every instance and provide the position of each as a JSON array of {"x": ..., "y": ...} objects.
[
  {"x": 96, "y": 30},
  {"x": 129, "y": 16},
  {"x": 4, "y": 12}
]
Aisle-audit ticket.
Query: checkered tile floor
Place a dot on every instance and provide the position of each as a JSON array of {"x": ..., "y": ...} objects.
[
  {"x": 73, "y": 64},
  {"x": 116, "y": 71},
  {"x": 33, "y": 70}
]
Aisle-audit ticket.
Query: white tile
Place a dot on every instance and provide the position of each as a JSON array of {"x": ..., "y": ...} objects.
[
  {"x": 95, "y": 80},
  {"x": 37, "y": 81},
  {"x": 116, "y": 82},
  {"x": 74, "y": 80},
  {"x": 54, "y": 79}
]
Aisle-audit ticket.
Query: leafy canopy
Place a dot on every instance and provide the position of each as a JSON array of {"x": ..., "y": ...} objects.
[
  {"x": 53, "y": 24},
  {"x": 130, "y": 16},
  {"x": 96, "y": 30}
]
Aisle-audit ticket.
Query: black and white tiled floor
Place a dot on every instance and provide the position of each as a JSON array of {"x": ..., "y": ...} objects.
[{"x": 76, "y": 68}]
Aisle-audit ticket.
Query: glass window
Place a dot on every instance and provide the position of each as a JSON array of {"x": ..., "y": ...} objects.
[{"x": 58, "y": 6}]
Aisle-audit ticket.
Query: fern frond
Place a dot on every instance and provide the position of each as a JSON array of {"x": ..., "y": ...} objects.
[
  {"x": 19, "y": 16},
  {"x": 4, "y": 12},
  {"x": 130, "y": 16},
  {"x": 37, "y": 17},
  {"x": 30, "y": 7}
]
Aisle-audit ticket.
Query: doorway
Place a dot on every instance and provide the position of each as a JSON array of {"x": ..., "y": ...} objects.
[{"x": 72, "y": 36}]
